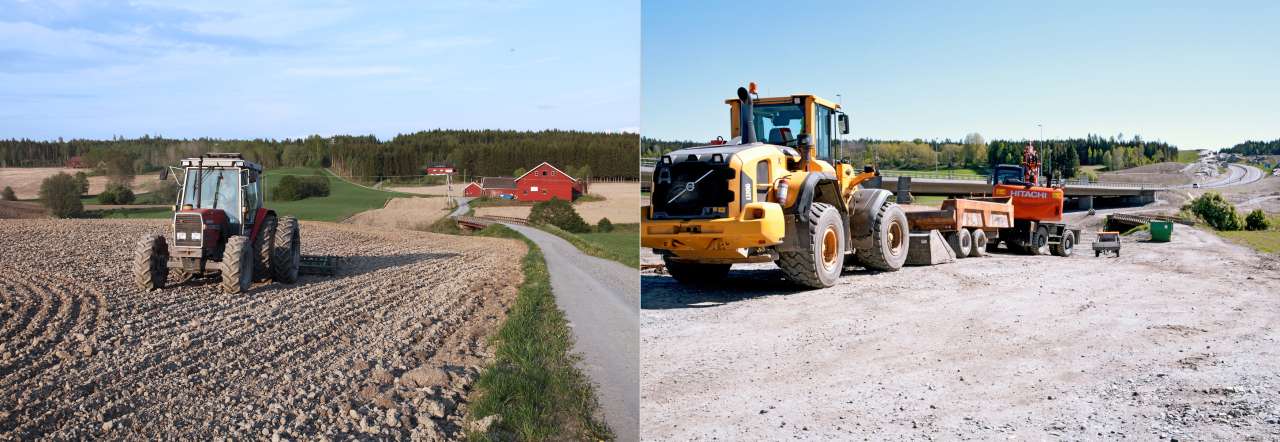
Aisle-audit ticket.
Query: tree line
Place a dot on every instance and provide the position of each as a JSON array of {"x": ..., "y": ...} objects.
[
  {"x": 1255, "y": 148},
  {"x": 471, "y": 152}
]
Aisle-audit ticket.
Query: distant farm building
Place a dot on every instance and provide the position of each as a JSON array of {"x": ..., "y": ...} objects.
[
  {"x": 75, "y": 163},
  {"x": 473, "y": 190},
  {"x": 545, "y": 182},
  {"x": 497, "y": 186},
  {"x": 439, "y": 169}
]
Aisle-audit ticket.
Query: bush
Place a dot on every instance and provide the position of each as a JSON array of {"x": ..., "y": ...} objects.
[
  {"x": 8, "y": 195},
  {"x": 116, "y": 194},
  {"x": 161, "y": 192},
  {"x": 604, "y": 225},
  {"x": 61, "y": 195},
  {"x": 83, "y": 179},
  {"x": 559, "y": 213},
  {"x": 1256, "y": 221},
  {"x": 293, "y": 188},
  {"x": 1217, "y": 212}
]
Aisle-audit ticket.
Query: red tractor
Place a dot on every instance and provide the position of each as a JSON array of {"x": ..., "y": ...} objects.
[{"x": 220, "y": 226}]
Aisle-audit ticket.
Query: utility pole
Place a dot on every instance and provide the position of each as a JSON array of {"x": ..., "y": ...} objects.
[{"x": 1047, "y": 158}]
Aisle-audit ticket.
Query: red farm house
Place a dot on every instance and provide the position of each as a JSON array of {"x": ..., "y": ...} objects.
[
  {"x": 473, "y": 190},
  {"x": 439, "y": 169},
  {"x": 496, "y": 187},
  {"x": 546, "y": 182}
]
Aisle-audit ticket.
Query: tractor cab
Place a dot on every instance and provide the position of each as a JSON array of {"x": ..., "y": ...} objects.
[{"x": 222, "y": 187}]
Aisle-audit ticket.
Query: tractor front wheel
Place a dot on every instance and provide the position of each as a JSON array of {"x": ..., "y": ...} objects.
[
  {"x": 237, "y": 265},
  {"x": 286, "y": 256},
  {"x": 151, "y": 262},
  {"x": 819, "y": 266}
]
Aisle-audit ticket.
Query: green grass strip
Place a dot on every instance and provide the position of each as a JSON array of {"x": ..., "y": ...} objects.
[
  {"x": 532, "y": 383},
  {"x": 621, "y": 245}
]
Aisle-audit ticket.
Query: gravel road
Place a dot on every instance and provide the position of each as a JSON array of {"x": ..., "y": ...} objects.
[
  {"x": 600, "y": 298},
  {"x": 1169, "y": 340},
  {"x": 386, "y": 349}
]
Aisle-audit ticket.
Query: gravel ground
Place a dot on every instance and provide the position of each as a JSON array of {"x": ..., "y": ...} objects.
[
  {"x": 1175, "y": 340},
  {"x": 600, "y": 299},
  {"x": 388, "y": 348}
]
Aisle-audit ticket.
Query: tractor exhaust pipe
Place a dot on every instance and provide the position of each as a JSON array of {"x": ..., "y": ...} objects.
[{"x": 746, "y": 116}]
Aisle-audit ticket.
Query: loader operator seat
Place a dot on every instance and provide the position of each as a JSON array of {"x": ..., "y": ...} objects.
[{"x": 780, "y": 136}]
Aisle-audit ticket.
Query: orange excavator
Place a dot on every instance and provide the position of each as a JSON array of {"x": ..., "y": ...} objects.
[{"x": 1037, "y": 209}]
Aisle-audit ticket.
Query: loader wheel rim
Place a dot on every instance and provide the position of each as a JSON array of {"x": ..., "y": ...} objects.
[
  {"x": 830, "y": 248},
  {"x": 895, "y": 238}
]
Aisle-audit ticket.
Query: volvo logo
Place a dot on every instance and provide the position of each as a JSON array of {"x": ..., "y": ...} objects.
[{"x": 688, "y": 187}]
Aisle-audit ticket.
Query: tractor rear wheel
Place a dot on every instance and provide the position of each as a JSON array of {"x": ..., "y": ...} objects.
[
  {"x": 961, "y": 242},
  {"x": 1065, "y": 245},
  {"x": 151, "y": 262},
  {"x": 692, "y": 273},
  {"x": 237, "y": 265},
  {"x": 888, "y": 250},
  {"x": 979, "y": 243},
  {"x": 286, "y": 256},
  {"x": 819, "y": 266},
  {"x": 262, "y": 248}
]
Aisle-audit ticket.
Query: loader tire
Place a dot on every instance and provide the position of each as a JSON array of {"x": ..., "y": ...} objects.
[
  {"x": 888, "y": 250},
  {"x": 979, "y": 244},
  {"x": 961, "y": 242},
  {"x": 692, "y": 273},
  {"x": 151, "y": 262},
  {"x": 263, "y": 246},
  {"x": 237, "y": 265},
  {"x": 1064, "y": 247},
  {"x": 286, "y": 256},
  {"x": 819, "y": 266}
]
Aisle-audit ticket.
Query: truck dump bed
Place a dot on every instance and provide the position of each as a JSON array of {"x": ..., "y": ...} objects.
[{"x": 986, "y": 213}]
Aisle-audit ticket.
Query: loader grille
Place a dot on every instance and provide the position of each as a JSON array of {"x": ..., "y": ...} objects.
[
  {"x": 692, "y": 190},
  {"x": 188, "y": 230}
]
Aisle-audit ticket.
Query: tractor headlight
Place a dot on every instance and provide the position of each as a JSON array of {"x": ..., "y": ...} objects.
[
  {"x": 780, "y": 191},
  {"x": 195, "y": 236},
  {"x": 182, "y": 235}
]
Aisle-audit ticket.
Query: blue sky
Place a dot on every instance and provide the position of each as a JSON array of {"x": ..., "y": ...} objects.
[
  {"x": 243, "y": 69},
  {"x": 1196, "y": 74}
]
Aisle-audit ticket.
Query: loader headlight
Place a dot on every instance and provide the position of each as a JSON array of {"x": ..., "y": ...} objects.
[{"x": 780, "y": 190}]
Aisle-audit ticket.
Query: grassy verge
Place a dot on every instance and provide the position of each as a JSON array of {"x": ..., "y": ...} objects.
[
  {"x": 930, "y": 172},
  {"x": 345, "y": 199},
  {"x": 1266, "y": 241},
  {"x": 1188, "y": 156},
  {"x": 929, "y": 200},
  {"x": 621, "y": 245},
  {"x": 532, "y": 383}
]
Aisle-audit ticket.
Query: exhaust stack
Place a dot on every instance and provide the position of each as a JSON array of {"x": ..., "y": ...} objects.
[{"x": 746, "y": 116}]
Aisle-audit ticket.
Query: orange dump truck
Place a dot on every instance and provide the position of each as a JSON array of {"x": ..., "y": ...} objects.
[{"x": 966, "y": 223}]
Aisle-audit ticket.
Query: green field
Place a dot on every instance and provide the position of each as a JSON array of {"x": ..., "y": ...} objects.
[
  {"x": 622, "y": 244},
  {"x": 1188, "y": 156},
  {"x": 928, "y": 200},
  {"x": 1265, "y": 240},
  {"x": 345, "y": 199}
]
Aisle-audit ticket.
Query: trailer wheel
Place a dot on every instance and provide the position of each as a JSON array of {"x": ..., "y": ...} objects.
[
  {"x": 692, "y": 273},
  {"x": 263, "y": 246},
  {"x": 237, "y": 265},
  {"x": 151, "y": 262},
  {"x": 819, "y": 266},
  {"x": 286, "y": 256},
  {"x": 889, "y": 233},
  {"x": 979, "y": 244},
  {"x": 1064, "y": 247},
  {"x": 961, "y": 242}
]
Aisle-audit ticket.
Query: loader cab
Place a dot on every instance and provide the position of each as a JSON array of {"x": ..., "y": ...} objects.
[
  {"x": 1008, "y": 174},
  {"x": 781, "y": 120}
]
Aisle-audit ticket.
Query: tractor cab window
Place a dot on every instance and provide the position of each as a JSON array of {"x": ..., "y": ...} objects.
[
  {"x": 252, "y": 194},
  {"x": 214, "y": 189},
  {"x": 822, "y": 141},
  {"x": 779, "y": 124}
]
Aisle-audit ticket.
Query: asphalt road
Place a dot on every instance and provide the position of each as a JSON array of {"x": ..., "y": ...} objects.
[
  {"x": 1237, "y": 174},
  {"x": 601, "y": 299},
  {"x": 462, "y": 207}
]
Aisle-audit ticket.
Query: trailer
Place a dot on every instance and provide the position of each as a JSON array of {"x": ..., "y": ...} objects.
[{"x": 966, "y": 223}]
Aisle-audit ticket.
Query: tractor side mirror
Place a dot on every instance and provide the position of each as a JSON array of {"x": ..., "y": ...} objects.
[{"x": 842, "y": 123}]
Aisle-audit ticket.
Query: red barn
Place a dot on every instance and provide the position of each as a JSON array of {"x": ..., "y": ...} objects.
[
  {"x": 546, "y": 182},
  {"x": 473, "y": 190},
  {"x": 495, "y": 187}
]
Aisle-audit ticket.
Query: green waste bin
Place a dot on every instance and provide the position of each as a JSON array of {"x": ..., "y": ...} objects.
[{"x": 1161, "y": 230}]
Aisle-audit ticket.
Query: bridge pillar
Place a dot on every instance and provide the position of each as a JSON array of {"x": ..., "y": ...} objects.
[{"x": 904, "y": 190}]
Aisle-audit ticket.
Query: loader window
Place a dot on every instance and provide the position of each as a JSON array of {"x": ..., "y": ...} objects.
[
  {"x": 822, "y": 141},
  {"x": 775, "y": 121}
]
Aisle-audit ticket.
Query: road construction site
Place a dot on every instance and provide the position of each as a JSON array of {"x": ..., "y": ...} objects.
[
  {"x": 1169, "y": 340},
  {"x": 387, "y": 348}
]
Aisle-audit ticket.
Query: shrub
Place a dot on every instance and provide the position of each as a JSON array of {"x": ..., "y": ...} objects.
[
  {"x": 8, "y": 195},
  {"x": 116, "y": 194},
  {"x": 293, "y": 188},
  {"x": 161, "y": 192},
  {"x": 61, "y": 195},
  {"x": 1256, "y": 221},
  {"x": 604, "y": 225},
  {"x": 559, "y": 213},
  {"x": 83, "y": 179},
  {"x": 1217, "y": 212}
]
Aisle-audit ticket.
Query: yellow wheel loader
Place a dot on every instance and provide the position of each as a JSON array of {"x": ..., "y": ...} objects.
[{"x": 786, "y": 199}]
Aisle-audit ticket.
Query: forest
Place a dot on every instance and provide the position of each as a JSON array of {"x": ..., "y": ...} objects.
[
  {"x": 1062, "y": 156},
  {"x": 1255, "y": 148},
  {"x": 364, "y": 158}
]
